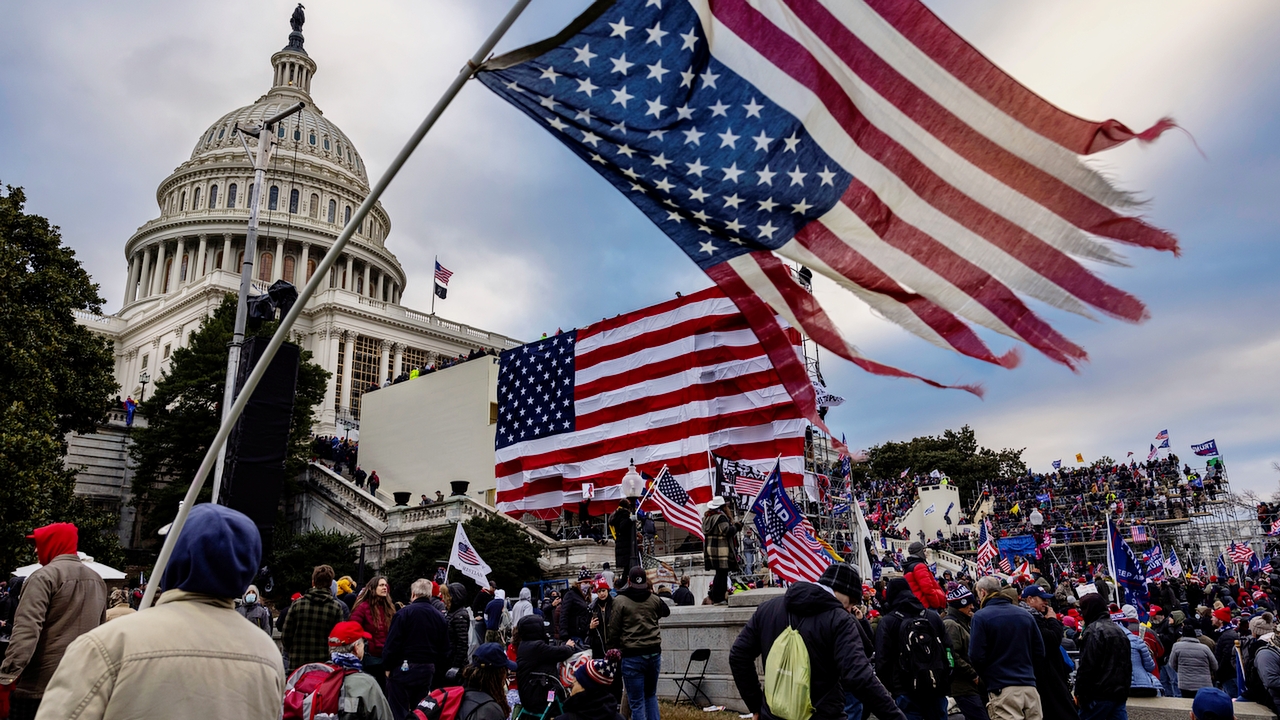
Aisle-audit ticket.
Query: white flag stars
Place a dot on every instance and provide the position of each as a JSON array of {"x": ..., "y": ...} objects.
[
  {"x": 584, "y": 55},
  {"x": 753, "y": 108},
  {"x": 656, "y": 33},
  {"x": 620, "y": 64},
  {"x": 762, "y": 141},
  {"x": 655, "y": 107},
  {"x": 728, "y": 139},
  {"x": 621, "y": 96},
  {"x": 620, "y": 28},
  {"x": 550, "y": 74},
  {"x": 692, "y": 136},
  {"x": 656, "y": 71},
  {"x": 797, "y": 177},
  {"x": 585, "y": 86},
  {"x": 690, "y": 40},
  {"x": 696, "y": 167}
]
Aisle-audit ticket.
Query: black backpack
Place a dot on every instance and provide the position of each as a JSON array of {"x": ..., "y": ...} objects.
[
  {"x": 1253, "y": 688},
  {"x": 922, "y": 657}
]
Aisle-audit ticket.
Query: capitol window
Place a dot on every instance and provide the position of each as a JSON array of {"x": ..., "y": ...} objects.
[
  {"x": 293, "y": 201},
  {"x": 221, "y": 131},
  {"x": 273, "y": 198},
  {"x": 346, "y": 215},
  {"x": 264, "y": 267},
  {"x": 165, "y": 356},
  {"x": 195, "y": 200},
  {"x": 297, "y": 134},
  {"x": 312, "y": 139},
  {"x": 213, "y": 196},
  {"x": 311, "y": 269},
  {"x": 326, "y": 143},
  {"x": 183, "y": 206},
  {"x": 333, "y": 209},
  {"x": 217, "y": 260},
  {"x": 231, "y": 195},
  {"x": 288, "y": 268},
  {"x": 313, "y": 207},
  {"x": 280, "y": 131}
]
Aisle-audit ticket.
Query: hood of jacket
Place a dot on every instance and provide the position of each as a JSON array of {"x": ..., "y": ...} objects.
[
  {"x": 458, "y": 595},
  {"x": 525, "y": 594},
  {"x": 636, "y": 594},
  {"x": 54, "y": 540},
  {"x": 899, "y": 598},
  {"x": 808, "y": 599},
  {"x": 218, "y": 553},
  {"x": 531, "y": 629},
  {"x": 1092, "y": 607}
]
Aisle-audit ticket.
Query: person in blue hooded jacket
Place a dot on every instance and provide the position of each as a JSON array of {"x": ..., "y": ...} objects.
[{"x": 189, "y": 654}]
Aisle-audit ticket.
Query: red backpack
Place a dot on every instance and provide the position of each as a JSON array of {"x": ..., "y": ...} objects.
[
  {"x": 314, "y": 691},
  {"x": 442, "y": 704}
]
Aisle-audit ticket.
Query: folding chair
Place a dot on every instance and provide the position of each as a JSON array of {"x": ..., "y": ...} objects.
[{"x": 702, "y": 655}]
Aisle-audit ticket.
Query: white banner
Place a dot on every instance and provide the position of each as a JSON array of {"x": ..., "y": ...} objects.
[{"x": 465, "y": 558}]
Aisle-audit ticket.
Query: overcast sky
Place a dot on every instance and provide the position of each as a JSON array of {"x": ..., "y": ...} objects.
[{"x": 99, "y": 102}]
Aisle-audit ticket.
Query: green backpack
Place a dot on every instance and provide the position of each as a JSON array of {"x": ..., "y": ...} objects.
[{"x": 786, "y": 677}]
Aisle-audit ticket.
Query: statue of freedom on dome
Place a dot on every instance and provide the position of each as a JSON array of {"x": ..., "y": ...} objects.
[{"x": 299, "y": 17}]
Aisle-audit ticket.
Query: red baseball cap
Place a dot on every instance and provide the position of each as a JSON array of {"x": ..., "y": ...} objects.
[
  {"x": 602, "y": 584},
  {"x": 347, "y": 632}
]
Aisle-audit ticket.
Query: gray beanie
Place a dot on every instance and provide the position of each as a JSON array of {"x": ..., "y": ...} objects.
[{"x": 916, "y": 548}]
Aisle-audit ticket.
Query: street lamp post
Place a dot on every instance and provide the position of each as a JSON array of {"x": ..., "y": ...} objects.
[{"x": 144, "y": 378}]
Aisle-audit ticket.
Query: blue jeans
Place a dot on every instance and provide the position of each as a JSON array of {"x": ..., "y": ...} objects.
[
  {"x": 640, "y": 678},
  {"x": 852, "y": 707},
  {"x": 1229, "y": 687},
  {"x": 972, "y": 707},
  {"x": 407, "y": 688},
  {"x": 1103, "y": 710},
  {"x": 922, "y": 708},
  {"x": 1168, "y": 681}
]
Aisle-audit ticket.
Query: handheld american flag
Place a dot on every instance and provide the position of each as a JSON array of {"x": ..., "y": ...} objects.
[
  {"x": 862, "y": 138},
  {"x": 793, "y": 552},
  {"x": 1240, "y": 553},
  {"x": 674, "y": 503},
  {"x": 662, "y": 385},
  {"x": 986, "y": 548},
  {"x": 465, "y": 558}
]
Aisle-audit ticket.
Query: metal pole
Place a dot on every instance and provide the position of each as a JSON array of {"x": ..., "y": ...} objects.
[
  {"x": 321, "y": 271},
  {"x": 265, "y": 142},
  {"x": 433, "y": 285}
]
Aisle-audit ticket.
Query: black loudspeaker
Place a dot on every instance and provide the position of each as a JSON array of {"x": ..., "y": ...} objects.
[{"x": 254, "y": 472}]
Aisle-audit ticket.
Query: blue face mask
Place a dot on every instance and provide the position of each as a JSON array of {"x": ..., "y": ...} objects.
[{"x": 251, "y": 598}]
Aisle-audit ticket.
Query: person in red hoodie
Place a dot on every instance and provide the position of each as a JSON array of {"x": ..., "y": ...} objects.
[
  {"x": 374, "y": 610},
  {"x": 60, "y": 602},
  {"x": 923, "y": 584}
]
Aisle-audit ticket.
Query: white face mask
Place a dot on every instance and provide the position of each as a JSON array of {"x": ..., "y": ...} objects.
[{"x": 251, "y": 598}]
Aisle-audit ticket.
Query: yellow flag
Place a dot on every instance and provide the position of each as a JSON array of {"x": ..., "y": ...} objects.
[
  {"x": 1014, "y": 509},
  {"x": 1079, "y": 458}
]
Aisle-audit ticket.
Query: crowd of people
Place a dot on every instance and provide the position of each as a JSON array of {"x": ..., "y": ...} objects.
[
  {"x": 414, "y": 373},
  {"x": 338, "y": 453}
]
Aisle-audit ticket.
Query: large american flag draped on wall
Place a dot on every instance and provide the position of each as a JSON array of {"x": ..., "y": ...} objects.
[
  {"x": 663, "y": 386},
  {"x": 862, "y": 138},
  {"x": 792, "y": 549}
]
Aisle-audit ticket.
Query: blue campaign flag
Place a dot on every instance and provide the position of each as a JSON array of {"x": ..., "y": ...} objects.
[
  {"x": 1057, "y": 464},
  {"x": 1042, "y": 497},
  {"x": 877, "y": 568},
  {"x": 1205, "y": 449},
  {"x": 1222, "y": 567},
  {"x": 775, "y": 513},
  {"x": 1017, "y": 546},
  {"x": 1164, "y": 444},
  {"x": 1154, "y": 561},
  {"x": 1129, "y": 572},
  {"x": 840, "y": 509},
  {"x": 1255, "y": 565},
  {"x": 846, "y": 466}
]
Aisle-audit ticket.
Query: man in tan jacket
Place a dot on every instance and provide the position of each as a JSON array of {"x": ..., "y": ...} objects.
[
  {"x": 190, "y": 656},
  {"x": 60, "y": 602}
]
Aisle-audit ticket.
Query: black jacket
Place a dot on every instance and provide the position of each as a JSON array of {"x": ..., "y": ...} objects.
[
  {"x": 459, "y": 627},
  {"x": 1225, "y": 650},
  {"x": 535, "y": 655},
  {"x": 1051, "y": 672},
  {"x": 418, "y": 634},
  {"x": 575, "y": 615},
  {"x": 836, "y": 656},
  {"x": 900, "y": 603},
  {"x": 478, "y": 705},
  {"x": 1105, "y": 669},
  {"x": 683, "y": 596},
  {"x": 599, "y": 637},
  {"x": 595, "y": 704}
]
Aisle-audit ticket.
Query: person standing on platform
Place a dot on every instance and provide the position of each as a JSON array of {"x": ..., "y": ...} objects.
[
  {"x": 623, "y": 523},
  {"x": 633, "y": 629},
  {"x": 720, "y": 549}
]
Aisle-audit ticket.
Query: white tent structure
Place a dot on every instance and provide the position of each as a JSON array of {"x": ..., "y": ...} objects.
[{"x": 106, "y": 572}]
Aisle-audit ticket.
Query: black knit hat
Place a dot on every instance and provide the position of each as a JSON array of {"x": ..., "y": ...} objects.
[{"x": 843, "y": 578}]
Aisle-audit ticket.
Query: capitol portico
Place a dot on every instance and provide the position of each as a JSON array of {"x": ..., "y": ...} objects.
[{"x": 181, "y": 264}]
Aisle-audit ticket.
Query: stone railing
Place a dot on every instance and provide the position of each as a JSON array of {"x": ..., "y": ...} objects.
[{"x": 340, "y": 490}]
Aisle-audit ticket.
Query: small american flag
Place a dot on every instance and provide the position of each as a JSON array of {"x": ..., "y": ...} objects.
[
  {"x": 674, "y": 503},
  {"x": 1266, "y": 567},
  {"x": 747, "y": 486},
  {"x": 1239, "y": 554},
  {"x": 1138, "y": 533},
  {"x": 467, "y": 555},
  {"x": 863, "y": 139},
  {"x": 1005, "y": 566},
  {"x": 443, "y": 274},
  {"x": 986, "y": 548},
  {"x": 1275, "y": 527},
  {"x": 1162, "y": 435}
]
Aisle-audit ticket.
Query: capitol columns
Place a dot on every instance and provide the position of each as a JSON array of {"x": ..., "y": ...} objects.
[
  {"x": 144, "y": 285},
  {"x": 157, "y": 281},
  {"x": 366, "y": 289},
  {"x": 398, "y": 366},
  {"x": 349, "y": 279},
  {"x": 228, "y": 261},
  {"x": 301, "y": 270},
  {"x": 385, "y": 362},
  {"x": 277, "y": 262},
  {"x": 329, "y": 336},
  {"x": 175, "y": 278},
  {"x": 135, "y": 264},
  {"x": 200, "y": 258},
  {"x": 349, "y": 356},
  {"x": 382, "y": 276}
]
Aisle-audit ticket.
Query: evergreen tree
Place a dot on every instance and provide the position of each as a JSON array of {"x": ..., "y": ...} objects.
[
  {"x": 55, "y": 378},
  {"x": 955, "y": 453},
  {"x": 184, "y": 412},
  {"x": 511, "y": 553}
]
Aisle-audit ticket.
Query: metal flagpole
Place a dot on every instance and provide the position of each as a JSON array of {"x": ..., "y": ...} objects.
[
  {"x": 321, "y": 273},
  {"x": 433, "y": 284},
  {"x": 260, "y": 160}
]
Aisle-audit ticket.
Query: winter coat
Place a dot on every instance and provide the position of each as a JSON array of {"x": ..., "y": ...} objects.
[
  {"x": 1268, "y": 662},
  {"x": 683, "y": 596},
  {"x": 535, "y": 655},
  {"x": 361, "y": 691},
  {"x": 1005, "y": 644},
  {"x": 575, "y": 615},
  {"x": 1143, "y": 664},
  {"x": 624, "y": 538},
  {"x": 1104, "y": 669},
  {"x": 596, "y": 704},
  {"x": 459, "y": 636},
  {"x": 923, "y": 584},
  {"x": 257, "y": 614},
  {"x": 306, "y": 631},
  {"x": 60, "y": 602},
  {"x": 418, "y": 634},
  {"x": 720, "y": 550},
  {"x": 598, "y": 638},
  {"x": 633, "y": 624},
  {"x": 899, "y": 604},
  {"x": 836, "y": 656},
  {"x": 964, "y": 679},
  {"x": 375, "y": 623},
  {"x": 478, "y": 705},
  {"x": 1194, "y": 663},
  {"x": 1225, "y": 650},
  {"x": 129, "y": 667},
  {"x": 1051, "y": 671}
]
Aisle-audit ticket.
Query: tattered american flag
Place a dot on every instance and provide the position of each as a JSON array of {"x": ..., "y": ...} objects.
[
  {"x": 663, "y": 385},
  {"x": 862, "y": 138}
]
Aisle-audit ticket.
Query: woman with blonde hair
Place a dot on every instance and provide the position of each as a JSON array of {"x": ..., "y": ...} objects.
[{"x": 374, "y": 610}]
